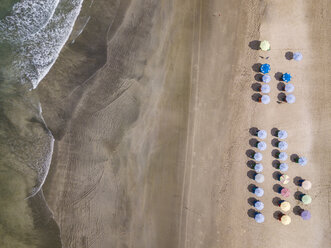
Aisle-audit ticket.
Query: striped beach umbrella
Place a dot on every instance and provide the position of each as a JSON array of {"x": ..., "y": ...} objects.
[{"x": 284, "y": 179}]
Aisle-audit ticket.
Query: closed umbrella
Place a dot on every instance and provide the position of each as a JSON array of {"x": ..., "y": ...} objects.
[
  {"x": 265, "y": 88},
  {"x": 266, "y": 78},
  {"x": 259, "y": 178},
  {"x": 259, "y": 192},
  {"x": 258, "y": 156},
  {"x": 259, "y": 218},
  {"x": 287, "y": 77},
  {"x": 306, "y": 199},
  {"x": 282, "y": 134},
  {"x": 290, "y": 98},
  {"x": 282, "y": 145},
  {"x": 297, "y": 56},
  {"x": 259, "y": 205},
  {"x": 265, "y": 99},
  {"x": 258, "y": 168},
  {"x": 282, "y": 156},
  {"x": 306, "y": 185},
  {"x": 285, "y": 219},
  {"x": 265, "y": 45},
  {"x": 262, "y": 134},
  {"x": 284, "y": 179},
  {"x": 283, "y": 167},
  {"x": 289, "y": 88},
  {"x": 285, "y": 192},
  {"x": 305, "y": 215},
  {"x": 302, "y": 161},
  {"x": 261, "y": 146},
  {"x": 285, "y": 206},
  {"x": 265, "y": 68}
]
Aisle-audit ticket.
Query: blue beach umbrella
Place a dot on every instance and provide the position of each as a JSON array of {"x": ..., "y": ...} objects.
[
  {"x": 265, "y": 88},
  {"x": 282, "y": 134},
  {"x": 282, "y": 156},
  {"x": 266, "y": 78},
  {"x": 283, "y": 167},
  {"x": 290, "y": 98},
  {"x": 259, "y": 218},
  {"x": 259, "y": 192},
  {"x": 261, "y": 146},
  {"x": 265, "y": 68},
  {"x": 262, "y": 134},
  {"x": 282, "y": 145},
  {"x": 289, "y": 88},
  {"x": 258, "y": 156},
  {"x": 259, "y": 205},
  {"x": 287, "y": 77},
  {"x": 302, "y": 161},
  {"x": 258, "y": 168},
  {"x": 297, "y": 56}
]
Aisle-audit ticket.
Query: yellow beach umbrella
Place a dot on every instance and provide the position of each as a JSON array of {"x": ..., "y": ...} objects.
[
  {"x": 265, "y": 45},
  {"x": 285, "y": 206},
  {"x": 285, "y": 219}
]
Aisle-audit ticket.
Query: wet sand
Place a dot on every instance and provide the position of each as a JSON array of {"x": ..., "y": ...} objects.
[{"x": 151, "y": 113}]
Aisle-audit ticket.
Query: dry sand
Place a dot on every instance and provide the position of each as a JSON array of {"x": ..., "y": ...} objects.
[{"x": 151, "y": 112}]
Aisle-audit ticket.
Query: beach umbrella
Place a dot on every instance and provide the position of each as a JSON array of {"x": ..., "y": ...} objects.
[
  {"x": 262, "y": 134},
  {"x": 306, "y": 185},
  {"x": 297, "y": 56},
  {"x": 285, "y": 219},
  {"x": 265, "y": 45},
  {"x": 290, "y": 98},
  {"x": 282, "y": 134},
  {"x": 305, "y": 215},
  {"x": 306, "y": 199},
  {"x": 259, "y": 218},
  {"x": 287, "y": 77},
  {"x": 258, "y": 156},
  {"x": 289, "y": 88},
  {"x": 259, "y": 178},
  {"x": 266, "y": 78},
  {"x": 265, "y": 99},
  {"x": 258, "y": 167},
  {"x": 302, "y": 161},
  {"x": 285, "y": 192},
  {"x": 259, "y": 205},
  {"x": 282, "y": 156},
  {"x": 265, "y": 68},
  {"x": 283, "y": 167},
  {"x": 284, "y": 179},
  {"x": 265, "y": 88},
  {"x": 261, "y": 146},
  {"x": 285, "y": 206},
  {"x": 282, "y": 145},
  {"x": 259, "y": 192}
]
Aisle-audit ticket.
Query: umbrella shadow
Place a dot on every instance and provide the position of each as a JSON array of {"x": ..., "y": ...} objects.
[
  {"x": 274, "y": 142},
  {"x": 298, "y": 195},
  {"x": 275, "y": 153},
  {"x": 277, "y": 188},
  {"x": 281, "y": 86},
  {"x": 276, "y": 175},
  {"x": 258, "y": 77},
  {"x": 251, "y": 187},
  {"x": 277, "y": 215},
  {"x": 289, "y": 55},
  {"x": 253, "y": 142},
  {"x": 276, "y": 201},
  {"x": 256, "y": 97},
  {"x": 250, "y": 164},
  {"x": 251, "y": 201},
  {"x": 294, "y": 157},
  {"x": 253, "y": 131},
  {"x": 251, "y": 213},
  {"x": 256, "y": 67},
  {"x": 279, "y": 76},
  {"x": 251, "y": 174},
  {"x": 297, "y": 181},
  {"x": 254, "y": 44},
  {"x": 274, "y": 131},
  {"x": 297, "y": 210},
  {"x": 276, "y": 164},
  {"x": 250, "y": 153},
  {"x": 281, "y": 97},
  {"x": 256, "y": 86}
]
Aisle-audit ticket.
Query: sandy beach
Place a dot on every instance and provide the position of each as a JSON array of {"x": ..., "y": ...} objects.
[{"x": 151, "y": 106}]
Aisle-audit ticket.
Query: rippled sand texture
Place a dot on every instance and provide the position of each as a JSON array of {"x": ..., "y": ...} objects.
[{"x": 150, "y": 107}]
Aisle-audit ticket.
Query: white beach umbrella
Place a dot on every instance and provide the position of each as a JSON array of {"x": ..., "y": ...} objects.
[
  {"x": 282, "y": 134},
  {"x": 265, "y": 99},
  {"x": 282, "y": 145},
  {"x": 282, "y": 156},
  {"x": 259, "y": 178},
  {"x": 262, "y": 134},
  {"x": 289, "y": 88},
  {"x": 259, "y": 205},
  {"x": 261, "y": 146},
  {"x": 290, "y": 98},
  {"x": 259, "y": 192},
  {"x": 258, "y": 156},
  {"x": 283, "y": 167},
  {"x": 258, "y": 168},
  {"x": 266, "y": 78},
  {"x": 302, "y": 161},
  {"x": 297, "y": 56},
  {"x": 265, "y": 88}
]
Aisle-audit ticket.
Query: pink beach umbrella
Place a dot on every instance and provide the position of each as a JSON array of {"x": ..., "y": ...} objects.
[{"x": 285, "y": 192}]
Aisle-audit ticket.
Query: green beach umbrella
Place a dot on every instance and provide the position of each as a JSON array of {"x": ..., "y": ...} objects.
[
  {"x": 306, "y": 199},
  {"x": 265, "y": 45}
]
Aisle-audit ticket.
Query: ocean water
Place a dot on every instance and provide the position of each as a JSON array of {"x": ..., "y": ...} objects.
[{"x": 32, "y": 34}]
